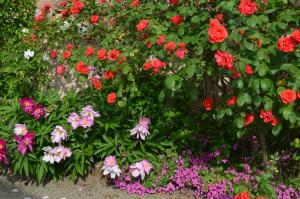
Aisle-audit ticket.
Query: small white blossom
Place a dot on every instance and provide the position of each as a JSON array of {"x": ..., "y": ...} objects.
[
  {"x": 25, "y": 30},
  {"x": 28, "y": 54}
]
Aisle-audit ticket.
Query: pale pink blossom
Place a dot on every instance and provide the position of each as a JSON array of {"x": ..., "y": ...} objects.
[
  {"x": 20, "y": 130},
  {"x": 111, "y": 167},
  {"x": 58, "y": 134},
  {"x": 74, "y": 120}
]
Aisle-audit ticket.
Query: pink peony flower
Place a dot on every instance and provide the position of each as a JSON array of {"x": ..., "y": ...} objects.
[
  {"x": 111, "y": 167},
  {"x": 20, "y": 130},
  {"x": 86, "y": 122},
  {"x": 25, "y": 142},
  {"x": 74, "y": 120},
  {"x": 141, "y": 130},
  {"x": 57, "y": 154},
  {"x": 140, "y": 168},
  {"x": 3, "y": 152},
  {"x": 38, "y": 111},
  {"x": 58, "y": 134},
  {"x": 88, "y": 111},
  {"x": 27, "y": 104},
  {"x": 144, "y": 121}
]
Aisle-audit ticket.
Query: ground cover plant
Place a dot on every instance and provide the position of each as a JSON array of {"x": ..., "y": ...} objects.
[{"x": 169, "y": 95}]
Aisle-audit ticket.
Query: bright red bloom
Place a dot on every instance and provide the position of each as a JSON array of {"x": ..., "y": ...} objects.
[
  {"x": 135, "y": 3},
  {"x": 67, "y": 54},
  {"x": 148, "y": 65},
  {"x": 259, "y": 42},
  {"x": 176, "y": 19},
  {"x": 148, "y": 44},
  {"x": 170, "y": 46},
  {"x": 247, "y": 7},
  {"x": 63, "y": 3},
  {"x": 248, "y": 120},
  {"x": 236, "y": 74},
  {"x": 231, "y": 101},
  {"x": 248, "y": 69},
  {"x": 267, "y": 116},
  {"x": 96, "y": 83},
  {"x": 224, "y": 59},
  {"x": 39, "y": 18},
  {"x": 70, "y": 46},
  {"x": 208, "y": 103},
  {"x": 173, "y": 2},
  {"x": 288, "y": 96},
  {"x": 298, "y": 94},
  {"x": 217, "y": 33},
  {"x": 274, "y": 121},
  {"x": 109, "y": 75},
  {"x": 296, "y": 35},
  {"x": 287, "y": 44},
  {"x": 243, "y": 195},
  {"x": 220, "y": 17},
  {"x": 142, "y": 25},
  {"x": 77, "y": 6},
  {"x": 53, "y": 53},
  {"x": 157, "y": 65},
  {"x": 161, "y": 40},
  {"x": 89, "y": 51},
  {"x": 64, "y": 13},
  {"x": 111, "y": 98},
  {"x": 113, "y": 55},
  {"x": 101, "y": 54},
  {"x": 180, "y": 52},
  {"x": 94, "y": 19},
  {"x": 145, "y": 36},
  {"x": 82, "y": 68},
  {"x": 60, "y": 70}
]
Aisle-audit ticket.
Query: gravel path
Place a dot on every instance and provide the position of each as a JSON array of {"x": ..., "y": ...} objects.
[{"x": 93, "y": 187}]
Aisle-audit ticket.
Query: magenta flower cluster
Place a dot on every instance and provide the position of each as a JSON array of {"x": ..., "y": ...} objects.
[
  {"x": 35, "y": 110},
  {"x": 24, "y": 138},
  {"x": 3, "y": 151}
]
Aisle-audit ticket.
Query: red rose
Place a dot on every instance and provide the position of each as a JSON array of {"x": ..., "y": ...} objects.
[
  {"x": 247, "y": 7},
  {"x": 298, "y": 94},
  {"x": 288, "y": 96},
  {"x": 170, "y": 46},
  {"x": 142, "y": 25},
  {"x": 217, "y": 33},
  {"x": 96, "y": 83},
  {"x": 248, "y": 120},
  {"x": 157, "y": 65},
  {"x": 67, "y": 54},
  {"x": 74, "y": 10},
  {"x": 296, "y": 35},
  {"x": 64, "y": 13},
  {"x": 148, "y": 44},
  {"x": 180, "y": 53},
  {"x": 89, "y": 51},
  {"x": 176, "y": 19},
  {"x": 259, "y": 42},
  {"x": 39, "y": 18},
  {"x": 60, "y": 70},
  {"x": 82, "y": 68},
  {"x": 182, "y": 45},
  {"x": 224, "y": 59},
  {"x": 145, "y": 36},
  {"x": 135, "y": 3},
  {"x": 148, "y": 65},
  {"x": 63, "y": 3},
  {"x": 220, "y": 17},
  {"x": 274, "y": 121},
  {"x": 111, "y": 98},
  {"x": 174, "y": 2},
  {"x": 94, "y": 19},
  {"x": 208, "y": 103},
  {"x": 231, "y": 101},
  {"x": 113, "y": 55},
  {"x": 109, "y": 75},
  {"x": 161, "y": 40},
  {"x": 101, "y": 54},
  {"x": 267, "y": 116},
  {"x": 70, "y": 46},
  {"x": 236, "y": 74},
  {"x": 287, "y": 44},
  {"x": 248, "y": 69},
  {"x": 53, "y": 53}
]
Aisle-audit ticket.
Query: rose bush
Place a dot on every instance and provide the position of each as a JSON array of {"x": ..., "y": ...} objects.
[{"x": 165, "y": 76}]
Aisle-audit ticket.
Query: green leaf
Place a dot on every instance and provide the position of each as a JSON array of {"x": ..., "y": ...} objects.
[
  {"x": 173, "y": 82},
  {"x": 252, "y": 21},
  {"x": 276, "y": 129},
  {"x": 263, "y": 69},
  {"x": 239, "y": 122}
]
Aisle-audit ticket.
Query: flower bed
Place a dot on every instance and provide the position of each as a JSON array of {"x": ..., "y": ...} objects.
[{"x": 172, "y": 95}]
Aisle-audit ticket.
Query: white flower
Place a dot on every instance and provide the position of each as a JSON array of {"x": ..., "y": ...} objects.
[
  {"x": 48, "y": 155},
  {"x": 65, "y": 26},
  {"x": 140, "y": 132},
  {"x": 25, "y": 30},
  {"x": 28, "y": 54},
  {"x": 88, "y": 111},
  {"x": 111, "y": 167},
  {"x": 46, "y": 57},
  {"x": 57, "y": 154},
  {"x": 20, "y": 130},
  {"x": 58, "y": 134},
  {"x": 136, "y": 170}
]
